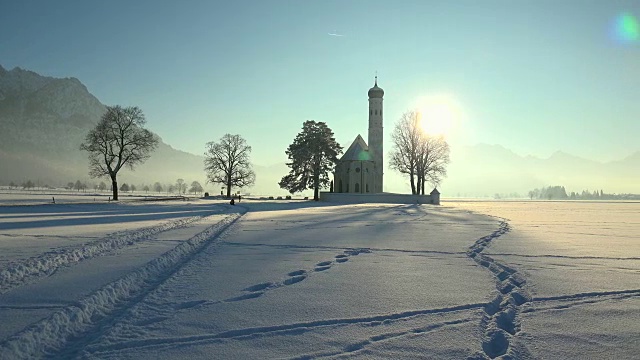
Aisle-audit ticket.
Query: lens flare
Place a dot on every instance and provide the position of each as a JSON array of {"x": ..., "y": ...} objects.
[
  {"x": 439, "y": 114},
  {"x": 627, "y": 28}
]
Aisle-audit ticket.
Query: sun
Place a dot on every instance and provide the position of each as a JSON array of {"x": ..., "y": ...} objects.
[{"x": 438, "y": 114}]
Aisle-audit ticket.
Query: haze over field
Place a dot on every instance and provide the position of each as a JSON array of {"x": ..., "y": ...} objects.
[
  {"x": 552, "y": 86},
  {"x": 45, "y": 120}
]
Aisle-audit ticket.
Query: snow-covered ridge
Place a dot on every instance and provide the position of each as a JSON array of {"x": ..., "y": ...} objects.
[
  {"x": 19, "y": 273},
  {"x": 50, "y": 335}
]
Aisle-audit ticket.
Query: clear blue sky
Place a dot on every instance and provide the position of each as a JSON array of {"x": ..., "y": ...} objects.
[{"x": 534, "y": 76}]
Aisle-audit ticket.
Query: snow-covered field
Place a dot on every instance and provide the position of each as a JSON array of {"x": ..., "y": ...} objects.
[{"x": 303, "y": 280}]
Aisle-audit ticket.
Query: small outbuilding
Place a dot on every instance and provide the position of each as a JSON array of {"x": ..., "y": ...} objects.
[{"x": 435, "y": 196}]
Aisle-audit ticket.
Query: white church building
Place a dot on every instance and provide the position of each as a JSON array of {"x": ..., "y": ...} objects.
[
  {"x": 360, "y": 169},
  {"x": 359, "y": 174}
]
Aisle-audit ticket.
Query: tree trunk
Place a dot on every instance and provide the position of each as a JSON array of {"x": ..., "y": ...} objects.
[
  {"x": 114, "y": 185},
  {"x": 316, "y": 184},
  {"x": 413, "y": 184},
  {"x": 228, "y": 187}
]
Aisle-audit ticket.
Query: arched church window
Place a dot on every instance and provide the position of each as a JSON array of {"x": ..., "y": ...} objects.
[
  {"x": 357, "y": 189},
  {"x": 366, "y": 186},
  {"x": 375, "y": 111},
  {"x": 357, "y": 169}
]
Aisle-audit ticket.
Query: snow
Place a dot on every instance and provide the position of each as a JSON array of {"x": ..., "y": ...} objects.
[{"x": 301, "y": 280}]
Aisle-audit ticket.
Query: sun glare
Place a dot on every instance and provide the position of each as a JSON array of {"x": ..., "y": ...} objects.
[{"x": 438, "y": 114}]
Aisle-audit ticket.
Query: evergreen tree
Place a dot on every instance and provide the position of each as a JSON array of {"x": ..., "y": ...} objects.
[{"x": 313, "y": 155}]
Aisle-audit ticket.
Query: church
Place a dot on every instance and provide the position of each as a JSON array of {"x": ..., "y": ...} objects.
[
  {"x": 358, "y": 176},
  {"x": 360, "y": 169}
]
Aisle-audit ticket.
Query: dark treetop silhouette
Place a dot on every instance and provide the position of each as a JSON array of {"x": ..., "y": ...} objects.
[{"x": 313, "y": 155}]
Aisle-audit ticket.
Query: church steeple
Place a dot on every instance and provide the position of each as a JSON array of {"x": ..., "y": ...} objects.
[
  {"x": 376, "y": 95},
  {"x": 375, "y": 91}
]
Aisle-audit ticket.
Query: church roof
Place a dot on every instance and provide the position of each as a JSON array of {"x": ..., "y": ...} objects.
[
  {"x": 357, "y": 151},
  {"x": 375, "y": 91}
]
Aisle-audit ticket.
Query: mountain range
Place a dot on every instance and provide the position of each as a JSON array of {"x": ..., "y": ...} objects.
[
  {"x": 484, "y": 170},
  {"x": 44, "y": 120}
]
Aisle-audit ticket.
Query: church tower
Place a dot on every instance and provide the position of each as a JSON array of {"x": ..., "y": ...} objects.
[{"x": 375, "y": 135}]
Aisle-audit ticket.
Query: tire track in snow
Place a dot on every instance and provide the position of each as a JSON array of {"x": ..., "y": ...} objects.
[
  {"x": 361, "y": 345},
  {"x": 568, "y": 301},
  {"x": 580, "y": 296},
  {"x": 294, "y": 328},
  {"x": 66, "y": 332},
  {"x": 19, "y": 273},
  {"x": 322, "y": 247},
  {"x": 567, "y": 257},
  {"x": 66, "y": 237},
  {"x": 500, "y": 321}
]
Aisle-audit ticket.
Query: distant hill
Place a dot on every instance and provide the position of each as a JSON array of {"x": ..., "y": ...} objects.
[
  {"x": 44, "y": 120},
  {"x": 489, "y": 169}
]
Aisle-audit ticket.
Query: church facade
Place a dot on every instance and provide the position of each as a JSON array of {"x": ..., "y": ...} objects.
[{"x": 360, "y": 169}]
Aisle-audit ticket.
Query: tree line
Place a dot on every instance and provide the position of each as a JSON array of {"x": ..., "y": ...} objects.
[
  {"x": 120, "y": 140},
  {"x": 559, "y": 193},
  {"x": 180, "y": 187}
]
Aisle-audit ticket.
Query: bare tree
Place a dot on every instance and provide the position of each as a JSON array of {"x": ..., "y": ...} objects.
[
  {"x": 118, "y": 140},
  {"x": 422, "y": 156},
  {"x": 227, "y": 162},
  {"x": 28, "y": 185},
  {"x": 157, "y": 187},
  {"x": 181, "y": 186},
  {"x": 433, "y": 158},
  {"x": 406, "y": 137},
  {"x": 195, "y": 187}
]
